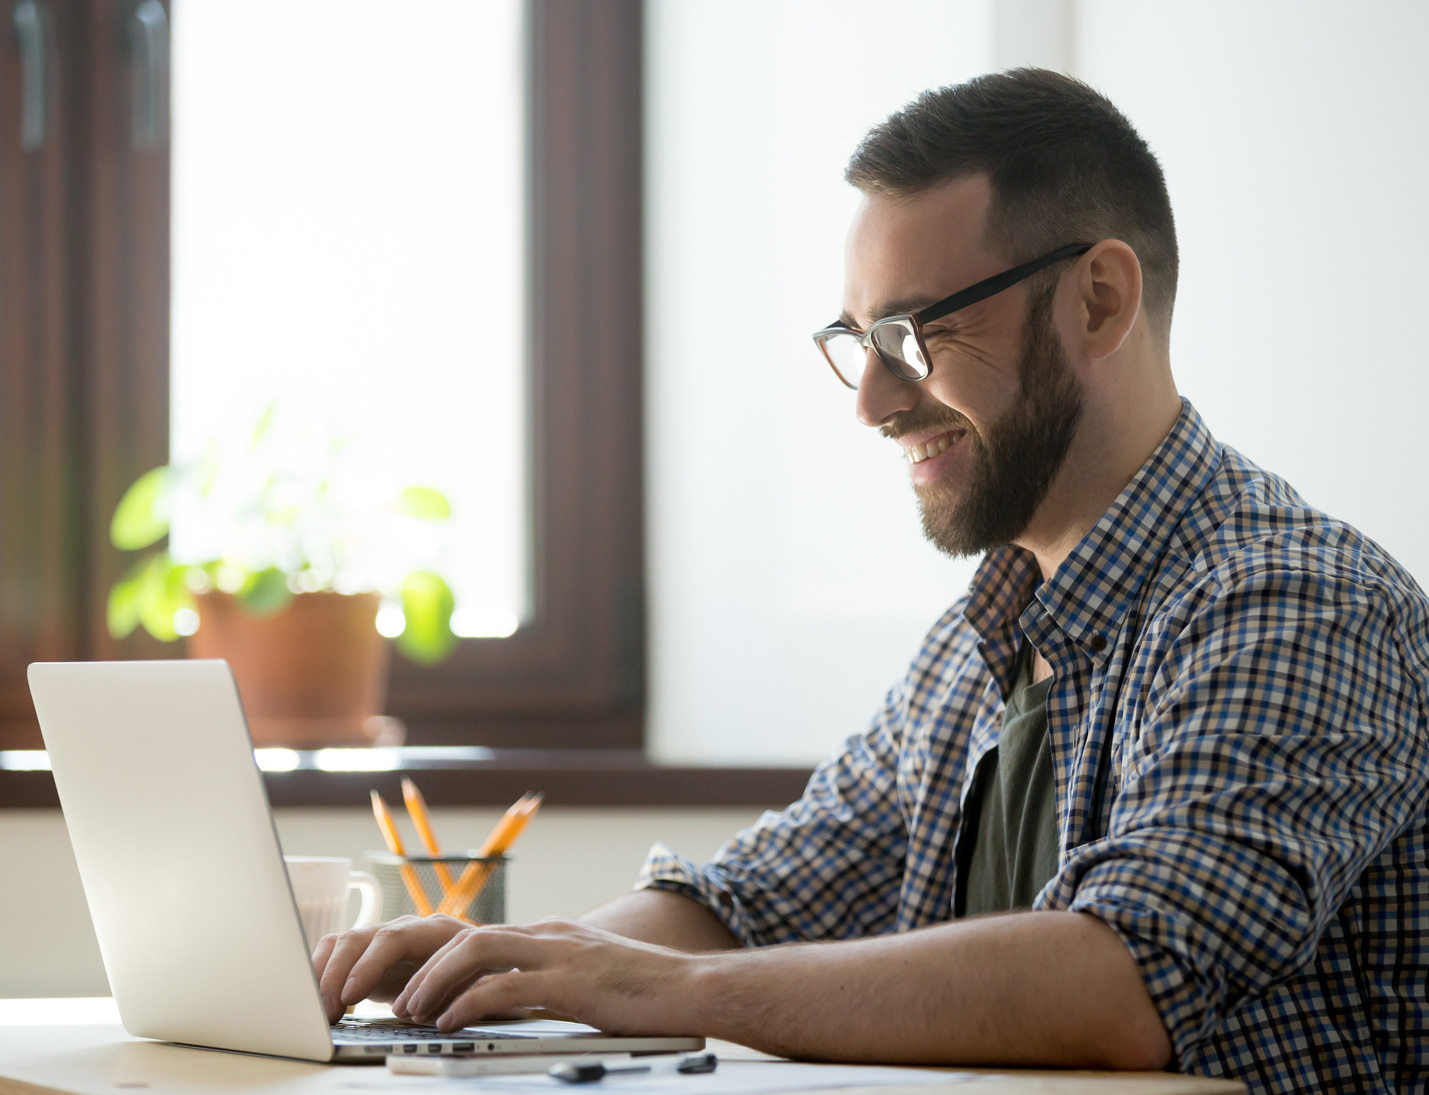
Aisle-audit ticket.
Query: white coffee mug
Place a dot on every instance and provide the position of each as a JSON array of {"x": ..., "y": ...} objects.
[{"x": 321, "y": 885}]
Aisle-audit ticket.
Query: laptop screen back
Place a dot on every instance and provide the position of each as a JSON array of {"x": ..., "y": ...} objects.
[{"x": 181, "y": 865}]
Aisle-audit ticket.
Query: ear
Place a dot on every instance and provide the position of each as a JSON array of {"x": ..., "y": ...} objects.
[{"x": 1108, "y": 287}]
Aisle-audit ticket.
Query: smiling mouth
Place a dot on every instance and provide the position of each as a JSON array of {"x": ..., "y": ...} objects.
[{"x": 916, "y": 454}]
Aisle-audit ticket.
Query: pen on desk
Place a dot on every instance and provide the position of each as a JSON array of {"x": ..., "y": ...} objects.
[
  {"x": 582, "y": 1072},
  {"x": 394, "y": 845},
  {"x": 417, "y": 811},
  {"x": 474, "y": 877}
]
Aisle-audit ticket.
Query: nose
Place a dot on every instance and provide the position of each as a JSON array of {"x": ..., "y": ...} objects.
[{"x": 881, "y": 395}]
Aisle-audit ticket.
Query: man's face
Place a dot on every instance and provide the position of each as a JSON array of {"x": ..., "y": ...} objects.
[{"x": 987, "y": 431}]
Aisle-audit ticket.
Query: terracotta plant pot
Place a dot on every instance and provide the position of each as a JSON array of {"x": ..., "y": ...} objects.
[{"x": 311, "y": 676}]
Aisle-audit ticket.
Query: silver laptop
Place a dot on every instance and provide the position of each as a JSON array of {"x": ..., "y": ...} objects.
[{"x": 185, "y": 879}]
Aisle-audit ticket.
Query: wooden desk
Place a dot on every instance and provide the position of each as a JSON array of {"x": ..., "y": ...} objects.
[{"x": 103, "y": 1060}]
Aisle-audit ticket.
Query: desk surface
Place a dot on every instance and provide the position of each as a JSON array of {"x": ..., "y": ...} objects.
[{"x": 101, "y": 1059}]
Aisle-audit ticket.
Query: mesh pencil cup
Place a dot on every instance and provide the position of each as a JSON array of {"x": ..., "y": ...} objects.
[{"x": 477, "y": 893}]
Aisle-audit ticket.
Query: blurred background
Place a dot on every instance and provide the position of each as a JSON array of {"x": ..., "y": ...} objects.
[{"x": 560, "y": 259}]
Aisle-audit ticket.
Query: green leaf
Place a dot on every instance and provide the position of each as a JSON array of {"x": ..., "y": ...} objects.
[
  {"x": 141, "y": 519},
  {"x": 428, "y": 503},
  {"x": 266, "y": 593},
  {"x": 122, "y": 611},
  {"x": 427, "y": 602},
  {"x": 207, "y": 472},
  {"x": 265, "y": 423},
  {"x": 162, "y": 592}
]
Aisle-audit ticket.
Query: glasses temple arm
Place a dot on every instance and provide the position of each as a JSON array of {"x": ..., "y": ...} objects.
[{"x": 998, "y": 282}]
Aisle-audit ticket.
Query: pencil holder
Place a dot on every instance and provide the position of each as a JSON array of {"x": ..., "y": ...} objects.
[{"x": 469, "y": 887}]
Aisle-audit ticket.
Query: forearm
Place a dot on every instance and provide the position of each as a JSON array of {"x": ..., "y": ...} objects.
[
  {"x": 1056, "y": 989},
  {"x": 664, "y": 918}
]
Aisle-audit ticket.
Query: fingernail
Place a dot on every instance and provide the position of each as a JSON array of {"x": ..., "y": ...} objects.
[
  {"x": 328, "y": 1008},
  {"x": 347, "y": 990}
]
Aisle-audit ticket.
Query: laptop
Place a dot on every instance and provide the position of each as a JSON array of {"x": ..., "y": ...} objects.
[{"x": 185, "y": 880}]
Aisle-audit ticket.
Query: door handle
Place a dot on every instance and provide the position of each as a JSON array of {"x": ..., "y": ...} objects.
[
  {"x": 32, "y": 29},
  {"x": 149, "y": 43}
]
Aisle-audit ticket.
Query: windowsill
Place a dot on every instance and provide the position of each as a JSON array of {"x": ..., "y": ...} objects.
[{"x": 569, "y": 777}]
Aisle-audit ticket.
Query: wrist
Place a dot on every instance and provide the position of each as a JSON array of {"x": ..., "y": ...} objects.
[{"x": 694, "y": 999}]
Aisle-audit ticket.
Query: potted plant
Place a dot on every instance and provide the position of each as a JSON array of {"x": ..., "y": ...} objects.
[{"x": 290, "y": 562}]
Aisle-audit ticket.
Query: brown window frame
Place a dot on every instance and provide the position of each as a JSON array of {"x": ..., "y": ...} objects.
[
  {"x": 575, "y": 675},
  {"x": 84, "y": 331}
]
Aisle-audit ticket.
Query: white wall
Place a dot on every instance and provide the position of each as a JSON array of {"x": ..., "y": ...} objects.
[
  {"x": 789, "y": 584},
  {"x": 1294, "y": 143},
  {"x": 568, "y": 861},
  {"x": 789, "y": 581}
]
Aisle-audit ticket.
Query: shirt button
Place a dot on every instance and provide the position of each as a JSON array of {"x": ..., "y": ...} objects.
[
  {"x": 726, "y": 902},
  {"x": 1098, "y": 643}
]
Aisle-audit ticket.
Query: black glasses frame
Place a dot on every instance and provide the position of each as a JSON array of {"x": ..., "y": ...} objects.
[{"x": 963, "y": 298}]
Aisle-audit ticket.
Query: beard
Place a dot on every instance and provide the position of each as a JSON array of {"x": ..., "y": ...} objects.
[{"x": 1014, "y": 464}]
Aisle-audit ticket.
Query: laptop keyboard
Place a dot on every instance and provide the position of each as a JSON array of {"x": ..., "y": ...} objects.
[
  {"x": 350, "y": 1030},
  {"x": 389, "y": 1033}
]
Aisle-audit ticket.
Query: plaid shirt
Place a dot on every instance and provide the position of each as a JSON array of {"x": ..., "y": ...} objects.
[{"x": 1241, "y": 763}]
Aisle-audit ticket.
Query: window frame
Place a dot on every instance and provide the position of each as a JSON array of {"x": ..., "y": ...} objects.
[{"x": 574, "y": 675}]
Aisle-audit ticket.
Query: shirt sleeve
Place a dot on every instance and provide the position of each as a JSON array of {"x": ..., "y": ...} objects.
[
  {"x": 827, "y": 867},
  {"x": 1282, "y": 748}
]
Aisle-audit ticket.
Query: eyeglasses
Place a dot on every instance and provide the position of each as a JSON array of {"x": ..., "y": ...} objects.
[{"x": 898, "y": 340}]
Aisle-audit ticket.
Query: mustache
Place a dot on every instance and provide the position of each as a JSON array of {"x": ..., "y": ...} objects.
[{"x": 923, "y": 419}]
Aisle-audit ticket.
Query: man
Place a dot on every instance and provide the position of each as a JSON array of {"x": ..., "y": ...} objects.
[{"x": 1153, "y": 792}]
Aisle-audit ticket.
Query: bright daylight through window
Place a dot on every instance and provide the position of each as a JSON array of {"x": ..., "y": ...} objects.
[{"x": 349, "y": 268}]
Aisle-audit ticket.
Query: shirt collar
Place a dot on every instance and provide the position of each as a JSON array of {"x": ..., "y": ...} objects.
[{"x": 1098, "y": 581}]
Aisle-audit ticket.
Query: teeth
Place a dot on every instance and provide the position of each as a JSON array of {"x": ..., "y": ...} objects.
[{"x": 918, "y": 453}]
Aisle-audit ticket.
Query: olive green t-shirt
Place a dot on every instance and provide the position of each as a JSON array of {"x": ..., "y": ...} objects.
[{"x": 1013, "y": 806}]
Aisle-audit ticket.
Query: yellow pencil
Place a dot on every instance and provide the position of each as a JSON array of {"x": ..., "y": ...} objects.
[
  {"x": 473, "y": 879},
  {"x": 417, "y": 810},
  {"x": 394, "y": 845}
]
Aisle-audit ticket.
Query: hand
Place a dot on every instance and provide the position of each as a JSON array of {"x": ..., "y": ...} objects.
[
  {"x": 613, "y": 983},
  {"x": 376, "y": 961}
]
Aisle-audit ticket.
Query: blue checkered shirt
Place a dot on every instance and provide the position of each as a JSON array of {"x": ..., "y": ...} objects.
[{"x": 1238, "y": 730}]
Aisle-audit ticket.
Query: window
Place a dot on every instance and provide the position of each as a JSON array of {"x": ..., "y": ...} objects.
[
  {"x": 351, "y": 252},
  {"x": 85, "y": 287}
]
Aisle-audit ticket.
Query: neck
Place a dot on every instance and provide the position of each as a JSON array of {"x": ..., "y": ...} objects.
[{"x": 1111, "y": 446}]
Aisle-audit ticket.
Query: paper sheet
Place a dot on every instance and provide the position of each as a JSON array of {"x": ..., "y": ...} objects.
[{"x": 730, "y": 1078}]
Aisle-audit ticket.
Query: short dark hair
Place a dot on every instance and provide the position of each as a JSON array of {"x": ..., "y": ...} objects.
[{"x": 1064, "y": 164}]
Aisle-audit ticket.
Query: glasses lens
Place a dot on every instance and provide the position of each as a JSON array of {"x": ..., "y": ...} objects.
[
  {"x": 845, "y": 355},
  {"x": 897, "y": 343}
]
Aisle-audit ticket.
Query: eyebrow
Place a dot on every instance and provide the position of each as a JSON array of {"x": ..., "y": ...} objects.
[{"x": 892, "y": 308}]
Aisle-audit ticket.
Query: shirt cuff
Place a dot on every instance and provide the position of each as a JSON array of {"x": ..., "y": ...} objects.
[{"x": 665, "y": 869}]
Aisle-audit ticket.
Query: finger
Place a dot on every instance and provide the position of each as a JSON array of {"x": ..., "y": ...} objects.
[
  {"x": 447, "y": 973},
  {"x": 493, "y": 995},
  {"x": 401, "y": 1006},
  {"x": 475, "y": 953},
  {"x": 362, "y": 957},
  {"x": 343, "y": 952},
  {"x": 321, "y": 954}
]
